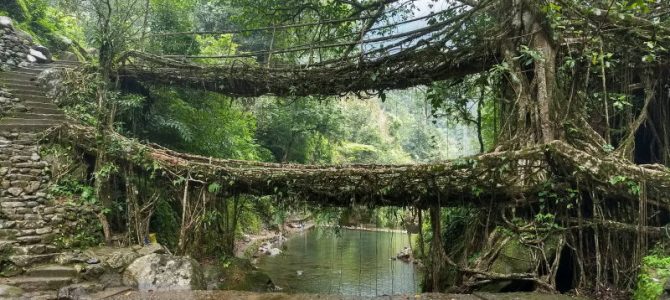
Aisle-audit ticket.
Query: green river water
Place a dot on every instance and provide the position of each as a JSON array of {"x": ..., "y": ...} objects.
[{"x": 345, "y": 262}]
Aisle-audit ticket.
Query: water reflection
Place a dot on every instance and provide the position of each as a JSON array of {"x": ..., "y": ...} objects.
[{"x": 346, "y": 262}]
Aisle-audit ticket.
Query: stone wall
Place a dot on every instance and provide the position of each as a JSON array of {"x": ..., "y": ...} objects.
[
  {"x": 14, "y": 48},
  {"x": 29, "y": 220},
  {"x": 17, "y": 48},
  {"x": 9, "y": 103}
]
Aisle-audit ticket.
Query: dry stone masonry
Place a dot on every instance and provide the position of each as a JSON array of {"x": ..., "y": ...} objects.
[
  {"x": 9, "y": 103},
  {"x": 17, "y": 48},
  {"x": 28, "y": 218}
]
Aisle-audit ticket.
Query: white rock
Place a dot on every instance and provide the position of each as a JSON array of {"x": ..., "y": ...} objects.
[
  {"x": 31, "y": 58},
  {"x": 38, "y": 55},
  {"x": 274, "y": 251},
  {"x": 160, "y": 272},
  {"x": 5, "y": 21}
]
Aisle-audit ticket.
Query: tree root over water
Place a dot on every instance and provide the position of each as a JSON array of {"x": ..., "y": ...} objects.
[
  {"x": 565, "y": 209},
  {"x": 512, "y": 176}
]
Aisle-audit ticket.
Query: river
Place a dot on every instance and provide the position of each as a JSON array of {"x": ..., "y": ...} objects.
[{"x": 343, "y": 261}]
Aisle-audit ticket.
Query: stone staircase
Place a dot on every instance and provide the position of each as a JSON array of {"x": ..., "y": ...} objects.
[
  {"x": 28, "y": 220},
  {"x": 40, "y": 112}
]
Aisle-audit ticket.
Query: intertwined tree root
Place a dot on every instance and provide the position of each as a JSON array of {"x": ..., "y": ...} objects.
[{"x": 506, "y": 176}]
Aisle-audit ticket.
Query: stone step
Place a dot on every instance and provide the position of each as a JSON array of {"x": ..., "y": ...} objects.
[
  {"x": 21, "y": 93},
  {"x": 19, "y": 75},
  {"x": 56, "y": 116},
  {"x": 51, "y": 270},
  {"x": 19, "y": 121},
  {"x": 23, "y": 86},
  {"x": 33, "y": 98},
  {"x": 34, "y": 249},
  {"x": 33, "y": 104},
  {"x": 24, "y": 127},
  {"x": 18, "y": 81},
  {"x": 46, "y": 111},
  {"x": 34, "y": 72},
  {"x": 31, "y": 284},
  {"x": 26, "y": 260}
]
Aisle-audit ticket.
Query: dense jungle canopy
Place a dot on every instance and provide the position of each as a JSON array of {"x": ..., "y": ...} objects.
[{"x": 560, "y": 108}]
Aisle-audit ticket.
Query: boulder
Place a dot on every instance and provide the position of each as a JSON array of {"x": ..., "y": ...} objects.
[
  {"x": 164, "y": 272},
  {"x": 274, "y": 251},
  {"x": 45, "y": 52},
  {"x": 66, "y": 258},
  {"x": 92, "y": 272},
  {"x": 68, "y": 56},
  {"x": 39, "y": 57},
  {"x": 151, "y": 249},
  {"x": 114, "y": 258},
  {"x": 5, "y": 22}
]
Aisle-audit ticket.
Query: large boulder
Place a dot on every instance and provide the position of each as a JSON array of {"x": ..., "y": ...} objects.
[
  {"x": 46, "y": 54},
  {"x": 5, "y": 22},
  {"x": 114, "y": 258},
  {"x": 164, "y": 272},
  {"x": 39, "y": 57}
]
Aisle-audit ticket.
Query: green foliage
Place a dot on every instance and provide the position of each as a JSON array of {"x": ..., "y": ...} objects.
[
  {"x": 633, "y": 187},
  {"x": 301, "y": 130},
  {"x": 219, "y": 45},
  {"x": 172, "y": 16},
  {"x": 358, "y": 153},
  {"x": 197, "y": 122},
  {"x": 82, "y": 232},
  {"x": 654, "y": 273},
  {"x": 165, "y": 223},
  {"x": 16, "y": 9},
  {"x": 74, "y": 192},
  {"x": 75, "y": 93}
]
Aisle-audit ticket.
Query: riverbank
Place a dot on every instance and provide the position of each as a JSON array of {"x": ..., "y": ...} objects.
[
  {"x": 248, "y": 246},
  {"x": 362, "y": 228}
]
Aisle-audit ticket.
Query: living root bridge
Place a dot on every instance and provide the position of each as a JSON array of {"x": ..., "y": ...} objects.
[
  {"x": 398, "y": 71},
  {"x": 501, "y": 176}
]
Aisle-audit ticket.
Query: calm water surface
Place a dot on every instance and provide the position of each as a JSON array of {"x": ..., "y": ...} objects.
[{"x": 346, "y": 262}]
